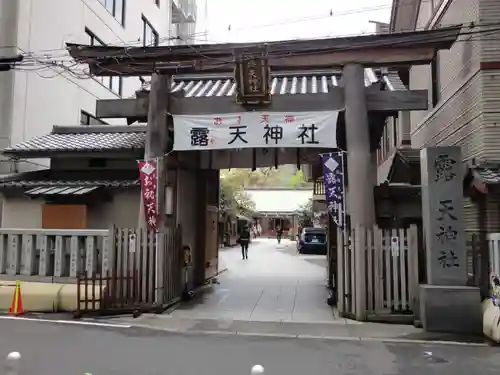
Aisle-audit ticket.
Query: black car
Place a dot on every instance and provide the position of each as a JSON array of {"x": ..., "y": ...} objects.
[{"x": 312, "y": 241}]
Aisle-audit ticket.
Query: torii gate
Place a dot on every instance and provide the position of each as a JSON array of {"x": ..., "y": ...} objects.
[{"x": 351, "y": 55}]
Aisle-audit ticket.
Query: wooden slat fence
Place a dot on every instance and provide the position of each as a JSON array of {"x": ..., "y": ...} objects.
[
  {"x": 128, "y": 280},
  {"x": 382, "y": 278}
]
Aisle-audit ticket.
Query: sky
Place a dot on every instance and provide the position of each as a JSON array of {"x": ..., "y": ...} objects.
[{"x": 267, "y": 20}]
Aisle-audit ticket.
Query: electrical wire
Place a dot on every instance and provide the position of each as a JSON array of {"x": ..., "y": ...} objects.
[
  {"x": 38, "y": 64},
  {"x": 287, "y": 21},
  {"x": 288, "y": 50}
]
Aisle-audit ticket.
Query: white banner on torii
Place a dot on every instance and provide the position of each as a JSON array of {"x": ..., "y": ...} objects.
[{"x": 257, "y": 129}]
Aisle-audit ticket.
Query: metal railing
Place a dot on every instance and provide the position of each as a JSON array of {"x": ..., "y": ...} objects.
[{"x": 13, "y": 365}]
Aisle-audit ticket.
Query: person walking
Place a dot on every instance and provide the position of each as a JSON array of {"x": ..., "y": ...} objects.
[
  {"x": 279, "y": 233},
  {"x": 244, "y": 241}
]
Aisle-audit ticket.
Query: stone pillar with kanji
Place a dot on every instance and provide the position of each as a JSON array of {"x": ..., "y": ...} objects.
[{"x": 446, "y": 303}]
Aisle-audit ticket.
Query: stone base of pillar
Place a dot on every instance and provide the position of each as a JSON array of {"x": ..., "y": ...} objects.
[{"x": 451, "y": 309}]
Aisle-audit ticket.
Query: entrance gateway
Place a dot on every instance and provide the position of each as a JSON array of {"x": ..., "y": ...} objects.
[{"x": 270, "y": 112}]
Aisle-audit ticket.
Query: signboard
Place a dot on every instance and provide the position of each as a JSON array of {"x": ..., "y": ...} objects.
[
  {"x": 148, "y": 176},
  {"x": 252, "y": 78},
  {"x": 395, "y": 246},
  {"x": 333, "y": 178},
  {"x": 255, "y": 130},
  {"x": 132, "y": 245},
  {"x": 442, "y": 214}
]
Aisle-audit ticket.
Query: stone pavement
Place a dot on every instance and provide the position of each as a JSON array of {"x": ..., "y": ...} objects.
[
  {"x": 273, "y": 285},
  {"x": 275, "y": 293}
]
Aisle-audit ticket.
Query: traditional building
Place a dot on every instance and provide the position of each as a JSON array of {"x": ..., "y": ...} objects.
[
  {"x": 463, "y": 103},
  {"x": 278, "y": 207},
  {"x": 92, "y": 182}
]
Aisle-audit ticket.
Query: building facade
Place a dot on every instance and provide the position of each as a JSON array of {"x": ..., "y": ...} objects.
[
  {"x": 464, "y": 103},
  {"x": 47, "y": 89}
]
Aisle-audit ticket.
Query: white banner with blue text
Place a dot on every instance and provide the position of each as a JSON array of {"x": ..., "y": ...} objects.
[{"x": 255, "y": 130}]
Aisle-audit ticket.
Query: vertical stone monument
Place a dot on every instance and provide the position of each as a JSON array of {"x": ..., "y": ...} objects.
[{"x": 446, "y": 303}]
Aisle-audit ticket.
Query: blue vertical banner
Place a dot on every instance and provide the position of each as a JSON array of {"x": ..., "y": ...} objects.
[{"x": 333, "y": 178}]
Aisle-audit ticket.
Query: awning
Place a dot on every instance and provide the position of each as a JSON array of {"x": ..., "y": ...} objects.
[{"x": 61, "y": 190}]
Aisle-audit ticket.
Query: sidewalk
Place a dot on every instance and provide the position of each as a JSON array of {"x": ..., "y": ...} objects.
[
  {"x": 275, "y": 293},
  {"x": 341, "y": 330}
]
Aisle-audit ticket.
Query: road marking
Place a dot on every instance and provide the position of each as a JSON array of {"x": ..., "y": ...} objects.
[{"x": 73, "y": 322}]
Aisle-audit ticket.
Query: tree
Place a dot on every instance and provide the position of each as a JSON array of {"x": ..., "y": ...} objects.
[
  {"x": 305, "y": 214},
  {"x": 297, "y": 180},
  {"x": 232, "y": 198},
  {"x": 261, "y": 177}
]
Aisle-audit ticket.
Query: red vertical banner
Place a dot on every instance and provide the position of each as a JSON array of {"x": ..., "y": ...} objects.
[{"x": 149, "y": 184}]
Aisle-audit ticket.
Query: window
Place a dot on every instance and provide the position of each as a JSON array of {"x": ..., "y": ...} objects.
[
  {"x": 150, "y": 36},
  {"x": 88, "y": 119},
  {"x": 115, "y": 84},
  {"x": 116, "y": 8},
  {"x": 435, "y": 86},
  {"x": 396, "y": 136}
]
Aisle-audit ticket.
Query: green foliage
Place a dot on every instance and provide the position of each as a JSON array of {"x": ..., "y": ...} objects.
[
  {"x": 247, "y": 178},
  {"x": 297, "y": 180},
  {"x": 305, "y": 214},
  {"x": 232, "y": 198}
]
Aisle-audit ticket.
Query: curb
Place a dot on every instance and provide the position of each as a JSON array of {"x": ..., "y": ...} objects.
[
  {"x": 312, "y": 337},
  {"x": 208, "y": 282}
]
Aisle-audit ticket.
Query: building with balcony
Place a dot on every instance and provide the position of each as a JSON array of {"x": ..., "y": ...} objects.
[
  {"x": 464, "y": 104},
  {"x": 189, "y": 21},
  {"x": 39, "y": 94}
]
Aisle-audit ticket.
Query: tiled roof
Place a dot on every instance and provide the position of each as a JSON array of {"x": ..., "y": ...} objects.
[
  {"x": 62, "y": 190},
  {"x": 306, "y": 82},
  {"x": 48, "y": 178},
  {"x": 84, "y": 139},
  {"x": 489, "y": 174}
]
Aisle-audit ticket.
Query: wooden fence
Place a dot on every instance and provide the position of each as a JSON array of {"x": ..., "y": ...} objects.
[
  {"x": 129, "y": 277},
  {"x": 494, "y": 252},
  {"x": 377, "y": 271}
]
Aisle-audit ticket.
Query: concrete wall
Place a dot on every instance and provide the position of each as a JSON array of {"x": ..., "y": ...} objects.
[
  {"x": 458, "y": 111},
  {"x": 21, "y": 213},
  {"x": 460, "y": 114},
  {"x": 80, "y": 164},
  {"x": 489, "y": 14},
  {"x": 122, "y": 211}
]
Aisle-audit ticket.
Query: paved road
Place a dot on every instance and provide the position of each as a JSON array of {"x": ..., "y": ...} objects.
[
  {"x": 54, "y": 349},
  {"x": 273, "y": 284}
]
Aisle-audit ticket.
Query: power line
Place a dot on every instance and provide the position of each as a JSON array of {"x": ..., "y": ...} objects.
[
  {"x": 285, "y": 48},
  {"x": 287, "y": 21},
  {"x": 75, "y": 69}
]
